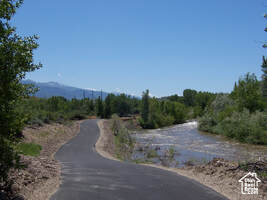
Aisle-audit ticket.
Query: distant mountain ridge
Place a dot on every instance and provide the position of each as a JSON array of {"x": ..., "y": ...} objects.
[{"x": 49, "y": 89}]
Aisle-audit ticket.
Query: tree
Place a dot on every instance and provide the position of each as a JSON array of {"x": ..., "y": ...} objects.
[
  {"x": 145, "y": 107},
  {"x": 189, "y": 97},
  {"x": 264, "y": 77},
  {"x": 247, "y": 93},
  {"x": 99, "y": 107},
  {"x": 203, "y": 99},
  {"x": 90, "y": 106},
  {"x": 220, "y": 103},
  {"x": 56, "y": 103},
  {"x": 265, "y": 45},
  {"x": 176, "y": 98},
  {"x": 16, "y": 59},
  {"x": 107, "y": 109}
]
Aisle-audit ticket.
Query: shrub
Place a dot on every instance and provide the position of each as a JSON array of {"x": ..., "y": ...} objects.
[
  {"x": 123, "y": 141},
  {"x": 152, "y": 153},
  {"x": 243, "y": 126},
  {"x": 76, "y": 116},
  {"x": 207, "y": 122},
  {"x": 220, "y": 103},
  {"x": 197, "y": 111}
]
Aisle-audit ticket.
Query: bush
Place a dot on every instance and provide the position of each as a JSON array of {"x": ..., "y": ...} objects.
[
  {"x": 179, "y": 113},
  {"x": 207, "y": 122},
  {"x": 123, "y": 141},
  {"x": 243, "y": 126},
  {"x": 76, "y": 116},
  {"x": 152, "y": 153},
  {"x": 220, "y": 103},
  {"x": 197, "y": 111}
]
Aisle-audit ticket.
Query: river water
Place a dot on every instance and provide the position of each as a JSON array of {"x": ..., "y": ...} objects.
[{"x": 180, "y": 144}]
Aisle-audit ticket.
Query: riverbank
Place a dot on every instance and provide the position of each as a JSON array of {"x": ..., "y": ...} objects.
[
  {"x": 41, "y": 177},
  {"x": 216, "y": 174}
]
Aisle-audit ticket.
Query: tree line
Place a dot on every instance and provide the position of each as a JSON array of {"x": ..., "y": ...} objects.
[
  {"x": 166, "y": 111},
  {"x": 242, "y": 114},
  {"x": 58, "y": 109},
  {"x": 152, "y": 112}
]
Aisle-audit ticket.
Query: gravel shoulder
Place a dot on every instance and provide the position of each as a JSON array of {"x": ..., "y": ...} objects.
[
  {"x": 105, "y": 144},
  {"x": 215, "y": 174}
]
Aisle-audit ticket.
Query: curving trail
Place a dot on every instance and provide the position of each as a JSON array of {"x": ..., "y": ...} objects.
[{"x": 88, "y": 176}]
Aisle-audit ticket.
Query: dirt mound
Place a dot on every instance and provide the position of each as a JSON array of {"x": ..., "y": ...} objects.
[
  {"x": 38, "y": 172},
  {"x": 223, "y": 176}
]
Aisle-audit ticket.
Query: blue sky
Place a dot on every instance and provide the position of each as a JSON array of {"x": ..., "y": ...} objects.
[{"x": 132, "y": 45}]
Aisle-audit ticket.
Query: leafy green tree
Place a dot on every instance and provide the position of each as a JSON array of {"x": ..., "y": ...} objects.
[
  {"x": 176, "y": 98},
  {"x": 157, "y": 117},
  {"x": 220, "y": 103},
  {"x": 176, "y": 110},
  {"x": 247, "y": 93},
  {"x": 145, "y": 107},
  {"x": 179, "y": 113},
  {"x": 123, "y": 105},
  {"x": 135, "y": 105},
  {"x": 203, "y": 99},
  {"x": 189, "y": 97},
  {"x": 16, "y": 59},
  {"x": 90, "y": 106},
  {"x": 56, "y": 103}
]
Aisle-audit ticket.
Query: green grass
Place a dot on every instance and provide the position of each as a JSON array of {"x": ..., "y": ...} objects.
[
  {"x": 140, "y": 161},
  {"x": 172, "y": 152},
  {"x": 262, "y": 174},
  {"x": 152, "y": 153},
  {"x": 29, "y": 149}
]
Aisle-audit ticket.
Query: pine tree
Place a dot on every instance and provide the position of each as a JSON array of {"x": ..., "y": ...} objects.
[
  {"x": 99, "y": 106},
  {"x": 248, "y": 93},
  {"x": 145, "y": 107},
  {"x": 264, "y": 77},
  {"x": 107, "y": 109}
]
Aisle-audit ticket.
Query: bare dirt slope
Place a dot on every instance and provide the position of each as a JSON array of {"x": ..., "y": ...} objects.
[{"x": 41, "y": 178}]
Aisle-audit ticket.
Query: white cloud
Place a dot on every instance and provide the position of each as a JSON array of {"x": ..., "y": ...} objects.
[
  {"x": 92, "y": 89},
  {"x": 152, "y": 95},
  {"x": 117, "y": 91},
  {"x": 59, "y": 75}
]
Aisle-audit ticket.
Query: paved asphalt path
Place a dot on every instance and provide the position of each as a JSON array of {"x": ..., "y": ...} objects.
[{"x": 88, "y": 176}]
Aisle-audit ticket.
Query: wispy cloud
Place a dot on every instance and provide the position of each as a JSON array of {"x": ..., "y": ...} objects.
[
  {"x": 152, "y": 95},
  {"x": 118, "y": 90},
  {"x": 59, "y": 75},
  {"x": 92, "y": 89}
]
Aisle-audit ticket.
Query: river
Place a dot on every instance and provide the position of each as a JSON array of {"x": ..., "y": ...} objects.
[{"x": 183, "y": 144}]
